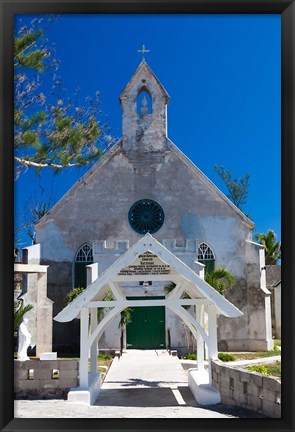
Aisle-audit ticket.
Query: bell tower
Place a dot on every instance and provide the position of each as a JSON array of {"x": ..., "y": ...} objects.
[{"x": 144, "y": 118}]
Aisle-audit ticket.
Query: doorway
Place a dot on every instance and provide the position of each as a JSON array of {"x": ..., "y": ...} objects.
[{"x": 147, "y": 328}]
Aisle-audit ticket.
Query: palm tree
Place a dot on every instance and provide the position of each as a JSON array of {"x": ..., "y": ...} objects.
[
  {"x": 272, "y": 248},
  {"x": 125, "y": 314},
  {"x": 170, "y": 287},
  {"x": 220, "y": 279}
]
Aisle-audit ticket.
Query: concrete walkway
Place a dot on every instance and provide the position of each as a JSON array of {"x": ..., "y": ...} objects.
[{"x": 140, "y": 384}]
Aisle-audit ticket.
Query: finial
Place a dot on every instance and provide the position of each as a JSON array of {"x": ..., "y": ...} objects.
[{"x": 143, "y": 50}]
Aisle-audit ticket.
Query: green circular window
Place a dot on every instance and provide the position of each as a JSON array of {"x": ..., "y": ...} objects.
[{"x": 146, "y": 216}]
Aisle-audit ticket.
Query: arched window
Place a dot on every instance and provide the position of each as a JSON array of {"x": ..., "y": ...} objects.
[
  {"x": 206, "y": 256},
  {"x": 144, "y": 102},
  {"x": 84, "y": 257},
  {"x": 84, "y": 254}
]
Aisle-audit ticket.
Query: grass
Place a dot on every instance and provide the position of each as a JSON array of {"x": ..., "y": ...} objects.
[
  {"x": 272, "y": 369},
  {"x": 222, "y": 356},
  {"x": 104, "y": 361},
  {"x": 243, "y": 356},
  {"x": 260, "y": 354}
]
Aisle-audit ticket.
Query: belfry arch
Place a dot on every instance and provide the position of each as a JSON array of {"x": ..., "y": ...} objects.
[{"x": 162, "y": 265}]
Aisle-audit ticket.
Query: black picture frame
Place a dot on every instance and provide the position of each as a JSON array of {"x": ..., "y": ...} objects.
[{"x": 8, "y": 8}]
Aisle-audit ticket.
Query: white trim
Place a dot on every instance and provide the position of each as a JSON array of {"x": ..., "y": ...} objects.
[
  {"x": 196, "y": 286},
  {"x": 147, "y": 302},
  {"x": 30, "y": 268}
]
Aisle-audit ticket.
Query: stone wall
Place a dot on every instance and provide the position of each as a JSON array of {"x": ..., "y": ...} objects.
[
  {"x": 45, "y": 378},
  {"x": 255, "y": 391}
]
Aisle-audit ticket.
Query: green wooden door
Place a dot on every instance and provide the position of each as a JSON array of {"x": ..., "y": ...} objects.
[
  {"x": 147, "y": 328},
  {"x": 81, "y": 274}
]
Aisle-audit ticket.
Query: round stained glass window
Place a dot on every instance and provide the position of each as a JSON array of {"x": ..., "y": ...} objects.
[{"x": 146, "y": 216}]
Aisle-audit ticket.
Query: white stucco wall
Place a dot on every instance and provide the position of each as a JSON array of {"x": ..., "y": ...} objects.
[{"x": 146, "y": 164}]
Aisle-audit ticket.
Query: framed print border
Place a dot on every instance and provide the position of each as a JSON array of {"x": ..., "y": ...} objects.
[{"x": 9, "y": 8}]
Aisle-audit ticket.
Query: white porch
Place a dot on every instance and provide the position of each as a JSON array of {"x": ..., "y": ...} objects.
[{"x": 147, "y": 260}]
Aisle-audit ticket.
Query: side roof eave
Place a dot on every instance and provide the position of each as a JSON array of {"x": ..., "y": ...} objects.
[
  {"x": 250, "y": 224},
  {"x": 145, "y": 244},
  {"x": 98, "y": 165}
]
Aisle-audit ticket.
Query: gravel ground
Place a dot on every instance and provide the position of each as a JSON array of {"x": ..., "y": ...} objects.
[{"x": 57, "y": 408}]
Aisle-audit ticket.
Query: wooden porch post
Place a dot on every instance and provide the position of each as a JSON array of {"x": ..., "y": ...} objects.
[
  {"x": 92, "y": 275},
  {"x": 83, "y": 367},
  {"x": 200, "y": 340},
  {"x": 212, "y": 348},
  {"x": 93, "y": 348}
]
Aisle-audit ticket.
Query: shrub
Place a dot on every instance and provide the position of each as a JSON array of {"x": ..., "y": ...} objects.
[
  {"x": 190, "y": 356},
  {"x": 226, "y": 357},
  {"x": 105, "y": 356}
]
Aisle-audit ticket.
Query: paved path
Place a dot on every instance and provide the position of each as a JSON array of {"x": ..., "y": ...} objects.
[{"x": 140, "y": 384}]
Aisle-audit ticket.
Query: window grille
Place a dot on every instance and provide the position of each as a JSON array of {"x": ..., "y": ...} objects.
[
  {"x": 84, "y": 254},
  {"x": 205, "y": 252}
]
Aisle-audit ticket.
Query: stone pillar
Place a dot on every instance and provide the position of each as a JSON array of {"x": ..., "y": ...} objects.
[
  {"x": 258, "y": 300},
  {"x": 200, "y": 269},
  {"x": 267, "y": 302},
  {"x": 44, "y": 316},
  {"x": 91, "y": 273},
  {"x": 35, "y": 293}
]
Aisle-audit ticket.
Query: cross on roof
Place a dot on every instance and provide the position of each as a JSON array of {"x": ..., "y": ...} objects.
[{"x": 143, "y": 50}]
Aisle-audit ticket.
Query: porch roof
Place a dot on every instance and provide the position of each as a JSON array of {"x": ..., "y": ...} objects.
[{"x": 181, "y": 273}]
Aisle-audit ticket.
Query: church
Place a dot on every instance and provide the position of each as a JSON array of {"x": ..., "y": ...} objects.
[{"x": 145, "y": 185}]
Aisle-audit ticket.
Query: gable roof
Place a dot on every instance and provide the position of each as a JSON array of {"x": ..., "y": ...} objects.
[
  {"x": 273, "y": 275},
  {"x": 117, "y": 149},
  {"x": 143, "y": 68},
  {"x": 197, "y": 287},
  {"x": 250, "y": 224}
]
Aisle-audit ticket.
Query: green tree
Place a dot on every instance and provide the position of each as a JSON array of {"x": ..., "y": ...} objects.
[
  {"x": 39, "y": 210},
  {"x": 50, "y": 129},
  {"x": 220, "y": 279},
  {"x": 170, "y": 287},
  {"x": 71, "y": 295},
  {"x": 36, "y": 207},
  {"x": 125, "y": 314},
  {"x": 272, "y": 247},
  {"x": 237, "y": 188}
]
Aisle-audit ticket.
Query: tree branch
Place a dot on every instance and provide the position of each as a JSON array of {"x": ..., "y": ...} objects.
[{"x": 28, "y": 163}]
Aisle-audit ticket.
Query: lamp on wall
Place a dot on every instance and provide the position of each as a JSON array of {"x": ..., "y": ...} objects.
[{"x": 145, "y": 283}]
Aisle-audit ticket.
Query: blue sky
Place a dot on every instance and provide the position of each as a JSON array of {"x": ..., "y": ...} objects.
[{"x": 222, "y": 73}]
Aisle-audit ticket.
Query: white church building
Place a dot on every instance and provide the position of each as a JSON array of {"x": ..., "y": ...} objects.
[{"x": 145, "y": 187}]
